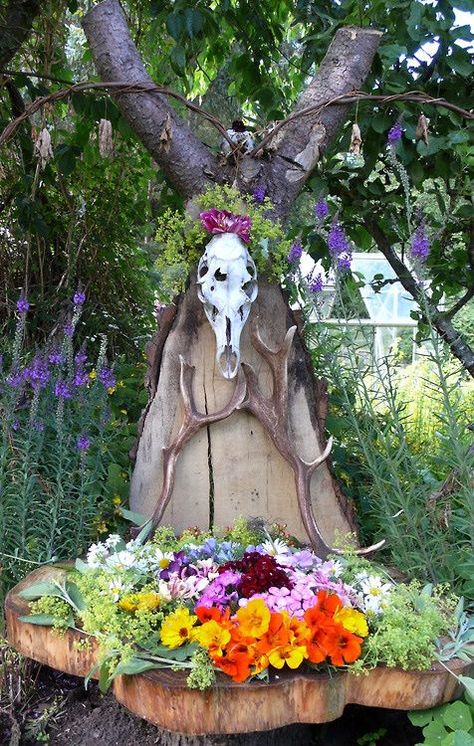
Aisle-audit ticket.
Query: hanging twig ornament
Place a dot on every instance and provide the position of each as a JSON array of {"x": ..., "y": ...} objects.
[
  {"x": 356, "y": 140},
  {"x": 106, "y": 145},
  {"x": 421, "y": 132},
  {"x": 43, "y": 148}
]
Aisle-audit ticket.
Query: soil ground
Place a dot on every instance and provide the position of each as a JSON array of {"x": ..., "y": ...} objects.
[{"x": 60, "y": 712}]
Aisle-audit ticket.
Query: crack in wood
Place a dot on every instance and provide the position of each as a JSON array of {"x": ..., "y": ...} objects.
[{"x": 210, "y": 467}]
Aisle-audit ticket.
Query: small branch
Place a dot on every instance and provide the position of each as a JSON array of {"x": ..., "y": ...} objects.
[
  {"x": 458, "y": 346},
  {"x": 460, "y": 303}
]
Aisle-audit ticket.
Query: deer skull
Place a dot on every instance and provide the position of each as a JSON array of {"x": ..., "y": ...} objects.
[{"x": 227, "y": 286}]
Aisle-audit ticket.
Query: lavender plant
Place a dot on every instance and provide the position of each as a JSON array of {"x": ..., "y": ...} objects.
[{"x": 56, "y": 449}]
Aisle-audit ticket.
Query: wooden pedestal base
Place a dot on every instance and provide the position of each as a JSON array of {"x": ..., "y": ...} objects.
[{"x": 162, "y": 697}]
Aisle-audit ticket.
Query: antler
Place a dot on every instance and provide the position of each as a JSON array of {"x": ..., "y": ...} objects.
[
  {"x": 193, "y": 421},
  {"x": 273, "y": 414}
]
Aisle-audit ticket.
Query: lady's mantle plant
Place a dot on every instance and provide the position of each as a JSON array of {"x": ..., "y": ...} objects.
[{"x": 247, "y": 603}]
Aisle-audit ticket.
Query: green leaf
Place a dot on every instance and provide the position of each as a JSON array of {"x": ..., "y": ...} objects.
[
  {"x": 178, "y": 59},
  {"x": 175, "y": 654},
  {"x": 459, "y": 738},
  {"x": 392, "y": 52},
  {"x": 175, "y": 25},
  {"x": 134, "y": 666},
  {"x": 457, "y": 716},
  {"x": 138, "y": 519},
  {"x": 81, "y": 566},
  {"x": 468, "y": 683},
  {"x": 75, "y": 595},
  {"x": 194, "y": 21},
  {"x": 460, "y": 62},
  {"x": 435, "y": 732},
  {"x": 104, "y": 676},
  {"x": 421, "y": 718},
  {"x": 37, "y": 590},
  {"x": 46, "y": 620},
  {"x": 145, "y": 532}
]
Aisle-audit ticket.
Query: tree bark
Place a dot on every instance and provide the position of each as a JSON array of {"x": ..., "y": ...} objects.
[
  {"x": 300, "y": 143},
  {"x": 441, "y": 322},
  {"x": 16, "y": 23},
  {"x": 187, "y": 163}
]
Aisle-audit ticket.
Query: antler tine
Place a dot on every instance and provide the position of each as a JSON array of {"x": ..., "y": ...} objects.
[
  {"x": 312, "y": 465},
  {"x": 186, "y": 378}
]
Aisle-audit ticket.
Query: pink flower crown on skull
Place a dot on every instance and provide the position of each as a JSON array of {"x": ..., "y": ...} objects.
[{"x": 222, "y": 221}]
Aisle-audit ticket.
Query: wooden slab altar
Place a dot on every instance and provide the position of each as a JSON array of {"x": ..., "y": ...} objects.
[{"x": 162, "y": 697}]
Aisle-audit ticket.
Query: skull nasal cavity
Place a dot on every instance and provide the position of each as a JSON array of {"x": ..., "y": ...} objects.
[{"x": 220, "y": 276}]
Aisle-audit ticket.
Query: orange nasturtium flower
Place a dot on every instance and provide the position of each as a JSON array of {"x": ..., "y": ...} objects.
[
  {"x": 343, "y": 647},
  {"x": 253, "y": 619},
  {"x": 177, "y": 628}
]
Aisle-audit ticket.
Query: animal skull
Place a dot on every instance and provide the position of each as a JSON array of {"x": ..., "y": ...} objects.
[{"x": 227, "y": 286}]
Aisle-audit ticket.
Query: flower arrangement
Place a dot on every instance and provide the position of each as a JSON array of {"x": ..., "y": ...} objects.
[{"x": 247, "y": 602}]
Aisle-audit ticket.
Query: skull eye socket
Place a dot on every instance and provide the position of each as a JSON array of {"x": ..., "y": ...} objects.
[
  {"x": 220, "y": 276},
  {"x": 249, "y": 288},
  {"x": 251, "y": 270},
  {"x": 203, "y": 270}
]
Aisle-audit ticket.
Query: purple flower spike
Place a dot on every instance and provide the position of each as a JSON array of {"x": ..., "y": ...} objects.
[
  {"x": 321, "y": 209},
  {"x": 39, "y": 426},
  {"x": 344, "y": 262},
  {"x": 79, "y": 297},
  {"x": 420, "y": 245},
  {"x": 81, "y": 377},
  {"x": 107, "y": 378},
  {"x": 259, "y": 194},
  {"x": 22, "y": 305},
  {"x": 15, "y": 425},
  {"x": 37, "y": 373},
  {"x": 316, "y": 284},
  {"x": 68, "y": 329},
  {"x": 395, "y": 134},
  {"x": 339, "y": 247},
  {"x": 294, "y": 254},
  {"x": 55, "y": 357},
  {"x": 62, "y": 390},
  {"x": 83, "y": 442},
  {"x": 81, "y": 357}
]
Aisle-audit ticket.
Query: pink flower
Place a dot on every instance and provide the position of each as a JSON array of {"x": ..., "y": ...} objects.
[{"x": 222, "y": 221}]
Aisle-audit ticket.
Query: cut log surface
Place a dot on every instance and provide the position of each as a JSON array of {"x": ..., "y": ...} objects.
[
  {"x": 162, "y": 697},
  {"x": 232, "y": 468}
]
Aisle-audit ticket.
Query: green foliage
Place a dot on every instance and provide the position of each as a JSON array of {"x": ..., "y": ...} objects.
[
  {"x": 448, "y": 725},
  {"x": 405, "y": 634},
  {"x": 202, "y": 674},
  {"x": 55, "y": 497},
  {"x": 180, "y": 238}
]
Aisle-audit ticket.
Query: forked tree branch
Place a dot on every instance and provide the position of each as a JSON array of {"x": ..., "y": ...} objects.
[{"x": 186, "y": 161}]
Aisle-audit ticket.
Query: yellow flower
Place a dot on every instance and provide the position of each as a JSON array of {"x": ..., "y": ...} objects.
[
  {"x": 177, "y": 628},
  {"x": 117, "y": 500},
  {"x": 212, "y": 636},
  {"x": 254, "y": 619},
  {"x": 93, "y": 375},
  {"x": 292, "y": 656},
  {"x": 352, "y": 620},
  {"x": 111, "y": 390},
  {"x": 146, "y": 600}
]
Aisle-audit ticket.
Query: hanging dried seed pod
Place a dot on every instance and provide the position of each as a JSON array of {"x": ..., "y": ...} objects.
[
  {"x": 106, "y": 145},
  {"x": 43, "y": 148},
  {"x": 421, "y": 132},
  {"x": 356, "y": 140}
]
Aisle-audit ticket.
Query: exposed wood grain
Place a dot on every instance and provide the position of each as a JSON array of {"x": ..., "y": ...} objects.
[
  {"x": 234, "y": 469},
  {"x": 162, "y": 697}
]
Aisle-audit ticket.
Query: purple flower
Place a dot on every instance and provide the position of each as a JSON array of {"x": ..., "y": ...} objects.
[
  {"x": 38, "y": 426},
  {"x": 83, "y": 442},
  {"x": 395, "y": 133},
  {"x": 81, "y": 377},
  {"x": 37, "y": 373},
  {"x": 55, "y": 357},
  {"x": 316, "y": 284},
  {"x": 420, "y": 245},
  {"x": 107, "y": 378},
  {"x": 22, "y": 305},
  {"x": 339, "y": 247},
  {"x": 62, "y": 390},
  {"x": 321, "y": 209},
  {"x": 15, "y": 378},
  {"x": 15, "y": 425},
  {"x": 68, "y": 329},
  {"x": 294, "y": 254},
  {"x": 81, "y": 356},
  {"x": 78, "y": 297},
  {"x": 259, "y": 194}
]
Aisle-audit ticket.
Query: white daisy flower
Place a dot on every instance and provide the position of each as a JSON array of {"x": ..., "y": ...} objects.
[
  {"x": 275, "y": 548},
  {"x": 96, "y": 555},
  {"x": 117, "y": 588},
  {"x": 121, "y": 561},
  {"x": 112, "y": 541}
]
